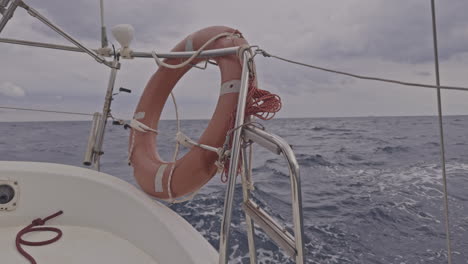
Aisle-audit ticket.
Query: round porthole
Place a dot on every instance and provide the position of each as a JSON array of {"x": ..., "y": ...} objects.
[{"x": 7, "y": 193}]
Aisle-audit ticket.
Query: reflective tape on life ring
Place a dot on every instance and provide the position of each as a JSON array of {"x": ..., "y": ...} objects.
[{"x": 232, "y": 86}]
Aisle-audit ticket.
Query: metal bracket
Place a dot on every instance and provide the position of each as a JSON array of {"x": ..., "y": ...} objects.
[
  {"x": 89, "y": 155},
  {"x": 96, "y": 137}
]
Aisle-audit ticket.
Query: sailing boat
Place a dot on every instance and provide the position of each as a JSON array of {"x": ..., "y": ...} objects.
[{"x": 37, "y": 194}]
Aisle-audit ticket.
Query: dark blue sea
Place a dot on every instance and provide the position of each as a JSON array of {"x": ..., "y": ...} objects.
[{"x": 371, "y": 186}]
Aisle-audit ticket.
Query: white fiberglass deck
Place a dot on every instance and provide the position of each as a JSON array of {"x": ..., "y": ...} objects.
[{"x": 105, "y": 220}]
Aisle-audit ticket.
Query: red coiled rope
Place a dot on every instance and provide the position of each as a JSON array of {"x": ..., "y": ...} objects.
[
  {"x": 261, "y": 104},
  {"x": 32, "y": 228}
]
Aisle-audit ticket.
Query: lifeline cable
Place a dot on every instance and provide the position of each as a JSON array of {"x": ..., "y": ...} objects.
[
  {"x": 46, "y": 111},
  {"x": 363, "y": 77}
]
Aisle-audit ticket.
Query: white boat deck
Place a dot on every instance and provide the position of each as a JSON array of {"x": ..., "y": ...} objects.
[
  {"x": 104, "y": 220},
  {"x": 77, "y": 245}
]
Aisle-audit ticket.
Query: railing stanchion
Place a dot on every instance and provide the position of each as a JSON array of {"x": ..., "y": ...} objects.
[
  {"x": 234, "y": 161},
  {"x": 246, "y": 176}
]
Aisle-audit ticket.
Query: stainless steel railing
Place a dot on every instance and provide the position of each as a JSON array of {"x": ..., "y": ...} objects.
[
  {"x": 243, "y": 135},
  {"x": 293, "y": 244}
]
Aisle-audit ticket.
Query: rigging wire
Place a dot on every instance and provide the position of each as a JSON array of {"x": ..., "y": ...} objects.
[
  {"x": 441, "y": 132},
  {"x": 46, "y": 111},
  {"x": 266, "y": 54}
]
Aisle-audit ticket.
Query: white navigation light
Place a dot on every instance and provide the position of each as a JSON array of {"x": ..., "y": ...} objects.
[{"x": 124, "y": 35}]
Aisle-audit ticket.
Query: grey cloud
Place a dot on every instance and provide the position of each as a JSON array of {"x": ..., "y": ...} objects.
[
  {"x": 400, "y": 32},
  {"x": 78, "y": 18},
  {"x": 11, "y": 90},
  {"x": 152, "y": 20},
  {"x": 376, "y": 37}
]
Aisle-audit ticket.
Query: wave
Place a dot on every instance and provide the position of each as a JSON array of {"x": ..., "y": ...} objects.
[
  {"x": 392, "y": 149},
  {"x": 319, "y": 128},
  {"x": 312, "y": 160},
  {"x": 432, "y": 144}
]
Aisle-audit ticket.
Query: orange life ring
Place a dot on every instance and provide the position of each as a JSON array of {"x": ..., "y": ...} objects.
[{"x": 196, "y": 167}]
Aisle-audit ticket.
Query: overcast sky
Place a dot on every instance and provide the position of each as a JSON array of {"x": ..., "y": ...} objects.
[{"x": 390, "y": 39}]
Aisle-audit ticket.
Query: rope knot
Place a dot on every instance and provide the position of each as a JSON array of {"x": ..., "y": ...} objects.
[
  {"x": 38, "y": 222},
  {"x": 30, "y": 228}
]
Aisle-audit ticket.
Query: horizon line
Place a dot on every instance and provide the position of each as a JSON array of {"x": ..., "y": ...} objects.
[{"x": 206, "y": 119}]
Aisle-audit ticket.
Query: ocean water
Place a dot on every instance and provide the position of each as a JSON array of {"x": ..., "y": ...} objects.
[{"x": 371, "y": 186}]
